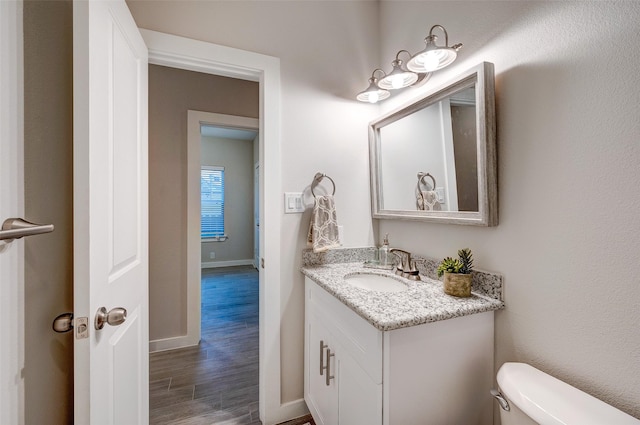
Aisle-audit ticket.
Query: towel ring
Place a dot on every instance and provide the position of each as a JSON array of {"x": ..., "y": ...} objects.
[
  {"x": 421, "y": 177},
  {"x": 316, "y": 180}
]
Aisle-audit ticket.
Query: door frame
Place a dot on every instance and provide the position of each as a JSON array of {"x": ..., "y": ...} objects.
[
  {"x": 194, "y": 55},
  {"x": 11, "y": 205},
  {"x": 256, "y": 213}
]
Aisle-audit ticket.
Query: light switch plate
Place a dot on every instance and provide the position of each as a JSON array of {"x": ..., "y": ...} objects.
[{"x": 293, "y": 203}]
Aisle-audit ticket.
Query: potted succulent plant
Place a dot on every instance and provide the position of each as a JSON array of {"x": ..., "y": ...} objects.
[{"x": 457, "y": 273}]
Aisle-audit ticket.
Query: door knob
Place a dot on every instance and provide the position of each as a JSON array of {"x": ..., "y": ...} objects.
[
  {"x": 114, "y": 317},
  {"x": 63, "y": 323}
]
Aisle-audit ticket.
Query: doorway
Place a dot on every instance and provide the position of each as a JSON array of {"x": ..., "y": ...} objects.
[
  {"x": 194, "y": 55},
  {"x": 189, "y": 379},
  {"x": 196, "y": 122},
  {"x": 228, "y": 155}
]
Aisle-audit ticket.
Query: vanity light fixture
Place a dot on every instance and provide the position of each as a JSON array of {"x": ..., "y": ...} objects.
[
  {"x": 416, "y": 72},
  {"x": 434, "y": 57},
  {"x": 373, "y": 93}
]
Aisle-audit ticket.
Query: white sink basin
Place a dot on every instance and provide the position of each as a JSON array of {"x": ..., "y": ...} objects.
[{"x": 375, "y": 282}]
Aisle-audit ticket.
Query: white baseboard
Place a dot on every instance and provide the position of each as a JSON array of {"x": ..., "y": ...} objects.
[
  {"x": 172, "y": 343},
  {"x": 213, "y": 264},
  {"x": 287, "y": 411}
]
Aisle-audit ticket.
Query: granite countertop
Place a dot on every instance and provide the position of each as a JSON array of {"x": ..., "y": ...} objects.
[{"x": 423, "y": 302}]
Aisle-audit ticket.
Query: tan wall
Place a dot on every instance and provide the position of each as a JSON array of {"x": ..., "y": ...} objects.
[
  {"x": 568, "y": 155},
  {"x": 171, "y": 93},
  {"x": 48, "y": 372},
  {"x": 237, "y": 158}
]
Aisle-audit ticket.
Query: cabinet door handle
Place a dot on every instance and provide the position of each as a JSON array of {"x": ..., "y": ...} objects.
[
  {"x": 322, "y": 347},
  {"x": 329, "y": 376}
]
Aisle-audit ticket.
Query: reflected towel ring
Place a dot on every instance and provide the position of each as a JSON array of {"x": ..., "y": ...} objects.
[
  {"x": 316, "y": 180},
  {"x": 421, "y": 177}
]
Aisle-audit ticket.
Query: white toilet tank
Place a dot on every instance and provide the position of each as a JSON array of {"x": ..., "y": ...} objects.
[{"x": 537, "y": 398}]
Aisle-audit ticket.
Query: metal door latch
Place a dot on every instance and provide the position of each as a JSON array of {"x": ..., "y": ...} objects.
[
  {"x": 82, "y": 327},
  {"x": 65, "y": 322}
]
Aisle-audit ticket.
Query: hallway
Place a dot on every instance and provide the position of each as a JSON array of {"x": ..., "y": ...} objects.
[{"x": 217, "y": 381}]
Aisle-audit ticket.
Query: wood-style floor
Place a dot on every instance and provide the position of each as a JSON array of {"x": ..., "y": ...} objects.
[{"x": 216, "y": 382}]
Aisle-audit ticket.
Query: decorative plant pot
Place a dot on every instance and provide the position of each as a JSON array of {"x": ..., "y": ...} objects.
[{"x": 457, "y": 284}]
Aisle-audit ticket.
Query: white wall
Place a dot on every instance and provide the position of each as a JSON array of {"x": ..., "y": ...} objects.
[
  {"x": 411, "y": 145},
  {"x": 568, "y": 102},
  {"x": 327, "y": 51},
  {"x": 237, "y": 158}
]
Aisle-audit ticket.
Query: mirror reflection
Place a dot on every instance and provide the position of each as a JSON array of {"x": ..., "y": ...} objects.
[
  {"x": 428, "y": 158},
  {"x": 434, "y": 159}
]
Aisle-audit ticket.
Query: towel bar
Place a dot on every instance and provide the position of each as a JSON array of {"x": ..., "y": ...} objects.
[
  {"x": 317, "y": 179},
  {"x": 421, "y": 177}
]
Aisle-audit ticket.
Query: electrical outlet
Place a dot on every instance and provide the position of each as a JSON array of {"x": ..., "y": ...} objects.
[{"x": 212, "y": 255}]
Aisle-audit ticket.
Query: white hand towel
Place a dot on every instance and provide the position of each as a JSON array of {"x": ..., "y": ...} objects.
[{"x": 323, "y": 228}]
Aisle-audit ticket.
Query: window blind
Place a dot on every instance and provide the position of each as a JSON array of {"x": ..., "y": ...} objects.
[{"x": 212, "y": 202}]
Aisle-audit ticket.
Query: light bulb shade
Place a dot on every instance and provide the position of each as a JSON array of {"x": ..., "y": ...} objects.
[
  {"x": 399, "y": 78},
  {"x": 430, "y": 60},
  {"x": 433, "y": 57},
  {"x": 373, "y": 93}
]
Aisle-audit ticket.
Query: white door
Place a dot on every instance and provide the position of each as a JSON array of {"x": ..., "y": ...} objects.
[
  {"x": 11, "y": 205},
  {"x": 110, "y": 214}
]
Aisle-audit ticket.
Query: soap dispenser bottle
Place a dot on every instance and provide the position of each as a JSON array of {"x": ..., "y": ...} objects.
[{"x": 384, "y": 252}]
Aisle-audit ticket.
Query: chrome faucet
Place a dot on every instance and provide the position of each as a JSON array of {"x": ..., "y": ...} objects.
[{"x": 406, "y": 267}]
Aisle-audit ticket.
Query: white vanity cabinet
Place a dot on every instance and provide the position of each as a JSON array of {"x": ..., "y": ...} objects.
[
  {"x": 438, "y": 373},
  {"x": 339, "y": 390},
  {"x": 343, "y": 379}
]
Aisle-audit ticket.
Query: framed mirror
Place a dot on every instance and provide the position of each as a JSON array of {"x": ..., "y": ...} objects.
[{"x": 435, "y": 159}]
